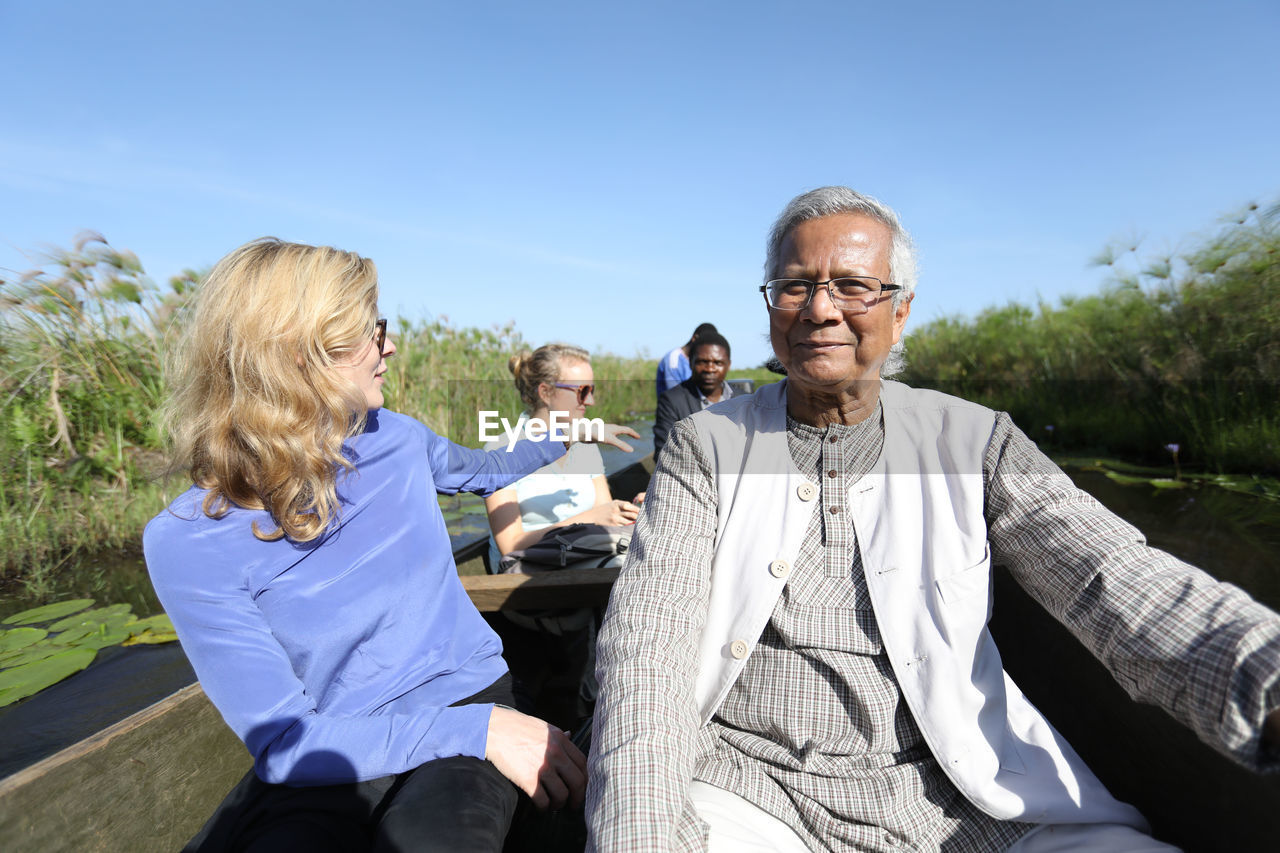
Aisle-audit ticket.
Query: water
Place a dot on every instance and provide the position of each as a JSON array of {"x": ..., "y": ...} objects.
[
  {"x": 108, "y": 577},
  {"x": 1232, "y": 536}
]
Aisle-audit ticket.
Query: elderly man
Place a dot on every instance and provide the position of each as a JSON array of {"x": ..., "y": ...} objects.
[
  {"x": 710, "y": 359},
  {"x": 796, "y": 654}
]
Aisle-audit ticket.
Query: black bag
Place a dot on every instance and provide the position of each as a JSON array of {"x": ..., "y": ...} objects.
[{"x": 577, "y": 546}]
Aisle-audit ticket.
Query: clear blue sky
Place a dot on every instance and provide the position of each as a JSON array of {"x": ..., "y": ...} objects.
[{"x": 605, "y": 173}]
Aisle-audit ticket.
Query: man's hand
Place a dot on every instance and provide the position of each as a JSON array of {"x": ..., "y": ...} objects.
[
  {"x": 539, "y": 758},
  {"x": 610, "y": 436}
]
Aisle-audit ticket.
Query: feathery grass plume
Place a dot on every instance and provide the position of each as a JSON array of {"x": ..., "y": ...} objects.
[
  {"x": 79, "y": 379},
  {"x": 1106, "y": 256}
]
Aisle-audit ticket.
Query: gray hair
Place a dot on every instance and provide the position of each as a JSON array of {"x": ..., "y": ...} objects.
[{"x": 833, "y": 201}]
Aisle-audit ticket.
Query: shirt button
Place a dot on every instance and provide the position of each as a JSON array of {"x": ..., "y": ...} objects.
[
  {"x": 779, "y": 568},
  {"x": 833, "y": 474},
  {"x": 833, "y": 439},
  {"x": 807, "y": 491},
  {"x": 738, "y": 649},
  {"x": 835, "y": 510}
]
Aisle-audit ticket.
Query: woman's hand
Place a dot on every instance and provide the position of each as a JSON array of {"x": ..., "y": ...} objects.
[
  {"x": 613, "y": 512},
  {"x": 537, "y": 757},
  {"x": 610, "y": 436}
]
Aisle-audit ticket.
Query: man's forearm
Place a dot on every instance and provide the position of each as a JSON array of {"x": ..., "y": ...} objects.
[
  {"x": 646, "y": 722},
  {"x": 1170, "y": 634}
]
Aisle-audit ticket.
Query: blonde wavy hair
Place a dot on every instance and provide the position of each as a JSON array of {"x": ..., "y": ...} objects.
[{"x": 255, "y": 412}]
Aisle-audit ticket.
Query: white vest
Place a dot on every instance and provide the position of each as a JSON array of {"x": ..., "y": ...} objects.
[{"x": 931, "y": 591}]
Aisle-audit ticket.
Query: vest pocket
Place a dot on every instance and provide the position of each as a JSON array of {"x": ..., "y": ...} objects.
[
  {"x": 964, "y": 604},
  {"x": 1010, "y": 758},
  {"x": 968, "y": 583}
]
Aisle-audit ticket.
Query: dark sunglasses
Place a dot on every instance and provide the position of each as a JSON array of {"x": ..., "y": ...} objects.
[
  {"x": 584, "y": 391},
  {"x": 380, "y": 335}
]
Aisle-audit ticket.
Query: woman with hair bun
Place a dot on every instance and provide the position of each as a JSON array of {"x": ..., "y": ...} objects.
[
  {"x": 553, "y": 378},
  {"x": 309, "y": 575}
]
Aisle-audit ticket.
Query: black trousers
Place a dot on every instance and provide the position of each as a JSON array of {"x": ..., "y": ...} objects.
[{"x": 450, "y": 804}]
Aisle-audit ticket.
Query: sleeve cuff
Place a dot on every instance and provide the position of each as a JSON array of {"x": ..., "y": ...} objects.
[{"x": 462, "y": 730}]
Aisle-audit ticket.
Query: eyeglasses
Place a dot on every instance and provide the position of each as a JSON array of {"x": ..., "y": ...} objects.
[
  {"x": 852, "y": 294},
  {"x": 584, "y": 391},
  {"x": 380, "y": 335}
]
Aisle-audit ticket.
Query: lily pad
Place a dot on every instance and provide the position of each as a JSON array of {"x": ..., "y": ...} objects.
[
  {"x": 1125, "y": 479},
  {"x": 90, "y": 617},
  {"x": 106, "y": 634},
  {"x": 32, "y": 653},
  {"x": 57, "y": 610},
  {"x": 18, "y": 638},
  {"x": 150, "y": 638},
  {"x": 159, "y": 623},
  {"x": 96, "y": 634},
  {"x": 1165, "y": 483},
  {"x": 20, "y": 682},
  {"x": 113, "y": 622}
]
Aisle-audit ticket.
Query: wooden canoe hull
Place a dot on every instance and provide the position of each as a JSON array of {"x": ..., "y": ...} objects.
[
  {"x": 150, "y": 781},
  {"x": 145, "y": 783}
]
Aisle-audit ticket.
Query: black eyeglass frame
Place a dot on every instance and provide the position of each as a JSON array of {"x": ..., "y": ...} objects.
[
  {"x": 380, "y": 335},
  {"x": 842, "y": 304}
]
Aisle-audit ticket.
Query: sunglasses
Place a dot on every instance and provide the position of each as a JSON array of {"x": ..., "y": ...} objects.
[
  {"x": 584, "y": 391},
  {"x": 380, "y": 335}
]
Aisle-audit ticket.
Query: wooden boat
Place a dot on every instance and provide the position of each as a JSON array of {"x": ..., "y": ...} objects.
[{"x": 149, "y": 782}]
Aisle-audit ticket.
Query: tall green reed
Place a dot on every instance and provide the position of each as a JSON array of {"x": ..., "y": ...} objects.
[
  {"x": 445, "y": 376},
  {"x": 1176, "y": 350},
  {"x": 81, "y": 339},
  {"x": 79, "y": 380}
]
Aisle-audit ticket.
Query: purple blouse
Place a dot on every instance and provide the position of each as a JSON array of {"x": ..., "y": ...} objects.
[{"x": 337, "y": 659}]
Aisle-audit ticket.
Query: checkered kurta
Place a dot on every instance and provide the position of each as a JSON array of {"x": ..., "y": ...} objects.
[{"x": 815, "y": 730}]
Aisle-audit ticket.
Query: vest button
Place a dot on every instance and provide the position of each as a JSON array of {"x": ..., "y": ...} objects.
[
  {"x": 779, "y": 568},
  {"x": 738, "y": 649},
  {"x": 807, "y": 491}
]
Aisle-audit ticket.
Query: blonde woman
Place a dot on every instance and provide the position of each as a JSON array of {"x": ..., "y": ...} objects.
[
  {"x": 554, "y": 378},
  {"x": 309, "y": 575}
]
